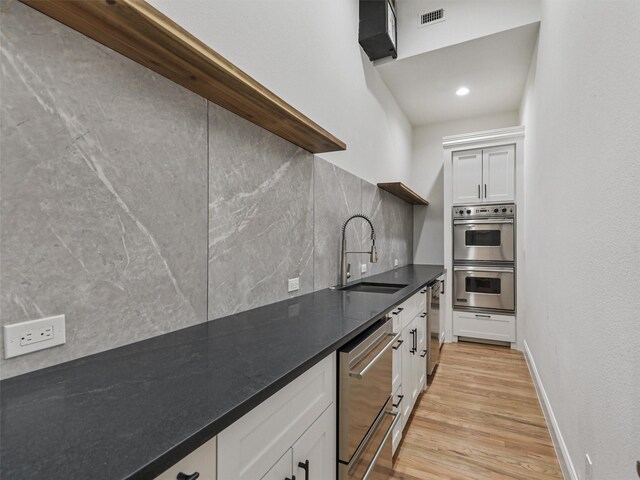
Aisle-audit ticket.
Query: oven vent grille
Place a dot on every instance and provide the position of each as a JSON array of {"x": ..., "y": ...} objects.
[{"x": 430, "y": 18}]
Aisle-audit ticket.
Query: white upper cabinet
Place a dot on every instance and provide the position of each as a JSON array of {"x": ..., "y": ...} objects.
[
  {"x": 484, "y": 175},
  {"x": 467, "y": 177},
  {"x": 498, "y": 173}
]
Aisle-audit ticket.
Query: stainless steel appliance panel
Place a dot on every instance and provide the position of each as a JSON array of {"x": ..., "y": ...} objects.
[
  {"x": 433, "y": 329},
  {"x": 484, "y": 288},
  {"x": 366, "y": 376},
  {"x": 373, "y": 460},
  {"x": 483, "y": 240}
]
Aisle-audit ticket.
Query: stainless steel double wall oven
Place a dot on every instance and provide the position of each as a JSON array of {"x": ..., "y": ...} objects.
[{"x": 484, "y": 258}]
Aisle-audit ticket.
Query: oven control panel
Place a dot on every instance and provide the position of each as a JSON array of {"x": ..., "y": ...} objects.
[{"x": 474, "y": 211}]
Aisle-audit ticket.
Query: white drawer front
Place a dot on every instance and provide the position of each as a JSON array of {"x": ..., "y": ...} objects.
[
  {"x": 412, "y": 307},
  {"x": 202, "y": 460},
  {"x": 397, "y": 431},
  {"x": 485, "y": 326},
  {"x": 252, "y": 445}
]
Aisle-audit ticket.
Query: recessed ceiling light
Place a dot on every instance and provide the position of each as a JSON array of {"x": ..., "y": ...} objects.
[{"x": 462, "y": 91}]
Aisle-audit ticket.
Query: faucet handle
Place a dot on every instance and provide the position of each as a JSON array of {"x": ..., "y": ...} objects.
[{"x": 348, "y": 270}]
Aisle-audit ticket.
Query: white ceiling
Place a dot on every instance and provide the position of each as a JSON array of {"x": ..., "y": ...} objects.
[{"x": 494, "y": 68}]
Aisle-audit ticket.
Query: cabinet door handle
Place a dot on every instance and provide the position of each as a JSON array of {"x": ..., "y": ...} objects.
[
  {"x": 400, "y": 342},
  {"x": 293, "y": 477},
  {"x": 485, "y": 190},
  {"x": 423, "y": 354},
  {"x": 305, "y": 466},
  {"x": 442, "y": 289},
  {"x": 400, "y": 397},
  {"x": 478, "y": 190},
  {"x": 422, "y": 315},
  {"x": 184, "y": 476}
]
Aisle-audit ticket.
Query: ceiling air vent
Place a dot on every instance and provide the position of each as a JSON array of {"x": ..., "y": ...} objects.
[{"x": 430, "y": 18}]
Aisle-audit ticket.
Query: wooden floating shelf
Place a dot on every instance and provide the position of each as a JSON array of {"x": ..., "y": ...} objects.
[
  {"x": 400, "y": 190},
  {"x": 140, "y": 32}
]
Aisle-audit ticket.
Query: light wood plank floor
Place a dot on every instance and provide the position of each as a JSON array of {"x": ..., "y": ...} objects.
[{"x": 479, "y": 419}]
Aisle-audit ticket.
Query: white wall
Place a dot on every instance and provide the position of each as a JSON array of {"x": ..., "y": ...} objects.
[
  {"x": 582, "y": 185},
  {"x": 307, "y": 52},
  {"x": 464, "y": 20},
  {"x": 428, "y": 171}
]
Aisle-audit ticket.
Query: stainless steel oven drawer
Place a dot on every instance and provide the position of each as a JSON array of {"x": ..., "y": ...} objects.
[
  {"x": 488, "y": 288},
  {"x": 374, "y": 458},
  {"x": 483, "y": 240},
  {"x": 365, "y": 385}
]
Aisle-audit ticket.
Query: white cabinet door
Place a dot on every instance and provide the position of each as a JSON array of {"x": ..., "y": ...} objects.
[
  {"x": 282, "y": 469},
  {"x": 407, "y": 374},
  {"x": 498, "y": 165},
  {"x": 396, "y": 379},
  {"x": 420, "y": 357},
  {"x": 248, "y": 448},
  {"x": 397, "y": 431},
  {"x": 201, "y": 460},
  {"x": 443, "y": 315},
  {"x": 314, "y": 454},
  {"x": 467, "y": 177}
]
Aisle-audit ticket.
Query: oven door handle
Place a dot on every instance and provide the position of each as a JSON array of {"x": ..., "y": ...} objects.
[
  {"x": 379, "y": 355},
  {"x": 374, "y": 460},
  {"x": 483, "y": 221}
]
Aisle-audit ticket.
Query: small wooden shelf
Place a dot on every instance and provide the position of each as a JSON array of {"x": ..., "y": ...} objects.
[
  {"x": 400, "y": 190},
  {"x": 140, "y": 32}
]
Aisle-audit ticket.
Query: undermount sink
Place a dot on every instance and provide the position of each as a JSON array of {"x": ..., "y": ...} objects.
[{"x": 371, "y": 287}]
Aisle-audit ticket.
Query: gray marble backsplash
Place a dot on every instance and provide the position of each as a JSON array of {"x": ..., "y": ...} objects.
[{"x": 135, "y": 207}]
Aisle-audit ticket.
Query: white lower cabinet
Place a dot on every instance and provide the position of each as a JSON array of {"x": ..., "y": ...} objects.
[
  {"x": 201, "y": 461},
  {"x": 283, "y": 468},
  {"x": 396, "y": 436},
  {"x": 314, "y": 454},
  {"x": 255, "y": 445},
  {"x": 484, "y": 326}
]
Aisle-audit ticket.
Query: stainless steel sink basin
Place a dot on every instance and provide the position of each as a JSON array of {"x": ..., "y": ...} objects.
[{"x": 371, "y": 287}]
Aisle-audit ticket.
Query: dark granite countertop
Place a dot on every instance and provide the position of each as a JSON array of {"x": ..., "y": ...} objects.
[{"x": 134, "y": 411}]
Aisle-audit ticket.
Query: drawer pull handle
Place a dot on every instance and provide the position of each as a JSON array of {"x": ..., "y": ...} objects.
[
  {"x": 293, "y": 477},
  {"x": 400, "y": 309},
  {"x": 423, "y": 315},
  {"x": 482, "y": 316},
  {"x": 423, "y": 354},
  {"x": 360, "y": 375},
  {"x": 400, "y": 342},
  {"x": 184, "y": 476},
  {"x": 305, "y": 466},
  {"x": 396, "y": 312},
  {"x": 400, "y": 397}
]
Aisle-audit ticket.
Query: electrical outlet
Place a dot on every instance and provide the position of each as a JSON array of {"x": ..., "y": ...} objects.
[
  {"x": 294, "y": 284},
  {"x": 33, "y": 335},
  {"x": 395, "y": 262},
  {"x": 363, "y": 268},
  {"x": 588, "y": 467}
]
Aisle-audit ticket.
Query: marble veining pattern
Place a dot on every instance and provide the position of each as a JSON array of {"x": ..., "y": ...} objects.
[
  {"x": 129, "y": 203},
  {"x": 260, "y": 215},
  {"x": 393, "y": 220},
  {"x": 103, "y": 192},
  {"x": 337, "y": 195}
]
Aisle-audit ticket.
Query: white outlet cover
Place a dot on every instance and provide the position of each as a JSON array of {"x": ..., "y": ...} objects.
[
  {"x": 363, "y": 268},
  {"x": 294, "y": 284},
  {"x": 25, "y": 337}
]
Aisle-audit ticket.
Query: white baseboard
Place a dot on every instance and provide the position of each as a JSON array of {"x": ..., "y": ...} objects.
[{"x": 566, "y": 465}]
